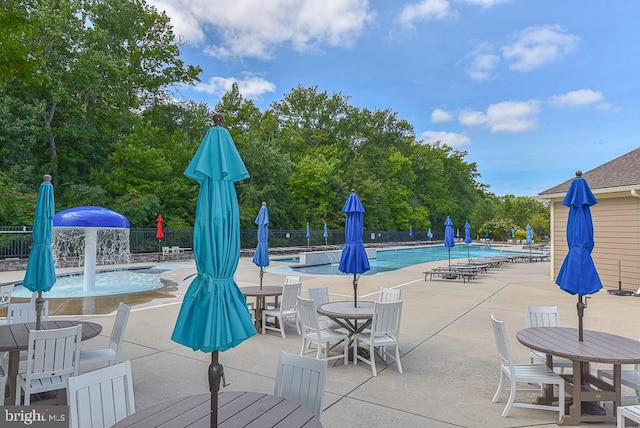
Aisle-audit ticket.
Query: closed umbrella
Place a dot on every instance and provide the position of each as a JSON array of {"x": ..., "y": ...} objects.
[
  {"x": 486, "y": 233},
  {"x": 529, "y": 237},
  {"x": 354, "y": 256},
  {"x": 308, "y": 235},
  {"x": 449, "y": 240},
  {"x": 159, "y": 232},
  {"x": 41, "y": 274},
  {"x": 261, "y": 256},
  {"x": 467, "y": 239},
  {"x": 325, "y": 234},
  {"x": 410, "y": 232},
  {"x": 214, "y": 315},
  {"x": 578, "y": 274},
  {"x": 429, "y": 234}
]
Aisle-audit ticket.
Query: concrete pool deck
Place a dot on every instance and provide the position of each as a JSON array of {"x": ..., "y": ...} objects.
[{"x": 448, "y": 351}]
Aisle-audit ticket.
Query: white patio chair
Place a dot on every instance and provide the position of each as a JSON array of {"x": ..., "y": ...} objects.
[
  {"x": 545, "y": 316},
  {"x": 285, "y": 312},
  {"x": 629, "y": 378},
  {"x": 389, "y": 295},
  {"x": 322, "y": 337},
  {"x": 111, "y": 354},
  {"x": 320, "y": 296},
  {"x": 385, "y": 331},
  {"x": 100, "y": 398},
  {"x": 301, "y": 380},
  {"x": 166, "y": 252},
  {"x": 18, "y": 313},
  {"x": 292, "y": 279},
  {"x": 628, "y": 412},
  {"x": 5, "y": 295},
  {"x": 511, "y": 374},
  {"x": 52, "y": 357}
]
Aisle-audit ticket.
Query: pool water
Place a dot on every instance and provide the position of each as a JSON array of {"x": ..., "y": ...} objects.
[
  {"x": 388, "y": 260},
  {"x": 107, "y": 283}
]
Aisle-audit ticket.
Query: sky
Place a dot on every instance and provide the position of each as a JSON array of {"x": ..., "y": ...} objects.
[{"x": 532, "y": 91}]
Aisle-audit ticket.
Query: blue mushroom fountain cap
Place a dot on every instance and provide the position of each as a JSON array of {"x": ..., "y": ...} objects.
[{"x": 90, "y": 217}]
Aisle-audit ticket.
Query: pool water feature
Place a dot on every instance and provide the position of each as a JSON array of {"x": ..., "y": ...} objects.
[
  {"x": 389, "y": 260},
  {"x": 106, "y": 284}
]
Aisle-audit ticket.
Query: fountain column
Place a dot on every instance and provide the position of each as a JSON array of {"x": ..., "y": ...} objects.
[{"x": 90, "y": 247}]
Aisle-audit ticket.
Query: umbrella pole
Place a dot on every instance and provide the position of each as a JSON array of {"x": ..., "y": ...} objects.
[
  {"x": 215, "y": 374},
  {"x": 580, "y": 307},
  {"x": 355, "y": 291},
  {"x": 449, "y": 250},
  {"x": 39, "y": 308},
  {"x": 261, "y": 275}
]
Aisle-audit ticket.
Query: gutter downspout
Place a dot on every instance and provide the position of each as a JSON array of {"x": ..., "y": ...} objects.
[{"x": 635, "y": 194}]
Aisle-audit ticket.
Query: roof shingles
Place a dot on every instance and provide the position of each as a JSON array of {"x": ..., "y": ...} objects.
[{"x": 620, "y": 172}]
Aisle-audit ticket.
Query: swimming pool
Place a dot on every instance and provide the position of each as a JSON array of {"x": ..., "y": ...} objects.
[
  {"x": 107, "y": 283},
  {"x": 388, "y": 260}
]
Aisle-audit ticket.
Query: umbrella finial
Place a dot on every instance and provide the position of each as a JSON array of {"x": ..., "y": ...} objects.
[
  {"x": 353, "y": 190},
  {"x": 218, "y": 119},
  {"x": 264, "y": 204},
  {"x": 578, "y": 173},
  {"x": 46, "y": 178}
]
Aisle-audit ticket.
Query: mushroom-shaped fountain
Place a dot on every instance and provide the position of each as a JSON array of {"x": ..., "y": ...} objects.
[{"x": 99, "y": 231}]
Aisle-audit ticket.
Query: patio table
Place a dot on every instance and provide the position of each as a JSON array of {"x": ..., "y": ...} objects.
[
  {"x": 235, "y": 409},
  {"x": 347, "y": 316},
  {"x": 597, "y": 347},
  {"x": 261, "y": 294},
  {"x": 15, "y": 338}
]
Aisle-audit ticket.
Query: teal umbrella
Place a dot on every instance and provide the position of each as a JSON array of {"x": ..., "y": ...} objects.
[
  {"x": 325, "y": 234},
  {"x": 41, "y": 274},
  {"x": 214, "y": 315}
]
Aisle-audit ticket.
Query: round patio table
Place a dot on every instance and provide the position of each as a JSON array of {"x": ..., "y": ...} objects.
[
  {"x": 235, "y": 409},
  {"x": 261, "y": 294},
  {"x": 15, "y": 338},
  {"x": 347, "y": 316}
]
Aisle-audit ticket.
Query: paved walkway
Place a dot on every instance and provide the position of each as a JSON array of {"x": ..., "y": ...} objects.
[{"x": 448, "y": 350}]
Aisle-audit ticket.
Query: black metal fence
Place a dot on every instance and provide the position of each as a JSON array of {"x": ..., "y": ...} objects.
[{"x": 15, "y": 241}]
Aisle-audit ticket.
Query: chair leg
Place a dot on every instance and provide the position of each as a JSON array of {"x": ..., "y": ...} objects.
[
  {"x": 345, "y": 350},
  {"x": 355, "y": 351},
  {"x": 264, "y": 322},
  {"x": 511, "y": 400},
  {"x": 398, "y": 358},
  {"x": 372, "y": 355},
  {"x": 282, "y": 327},
  {"x": 496, "y": 396}
]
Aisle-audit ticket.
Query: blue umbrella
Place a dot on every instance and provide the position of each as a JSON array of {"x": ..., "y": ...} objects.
[
  {"x": 529, "y": 237},
  {"x": 429, "y": 234},
  {"x": 467, "y": 238},
  {"x": 486, "y": 233},
  {"x": 354, "y": 256},
  {"x": 214, "y": 315},
  {"x": 449, "y": 240},
  {"x": 308, "y": 235},
  {"x": 261, "y": 256},
  {"x": 325, "y": 234},
  {"x": 410, "y": 231},
  {"x": 41, "y": 274},
  {"x": 578, "y": 274}
]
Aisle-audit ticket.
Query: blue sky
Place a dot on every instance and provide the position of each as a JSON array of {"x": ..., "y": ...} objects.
[{"x": 531, "y": 90}]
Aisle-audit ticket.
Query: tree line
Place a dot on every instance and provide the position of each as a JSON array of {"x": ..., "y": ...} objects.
[{"x": 90, "y": 93}]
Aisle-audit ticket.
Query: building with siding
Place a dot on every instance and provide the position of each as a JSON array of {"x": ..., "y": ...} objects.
[{"x": 616, "y": 221}]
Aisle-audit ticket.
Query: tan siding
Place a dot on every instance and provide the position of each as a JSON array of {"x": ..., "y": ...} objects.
[{"x": 616, "y": 223}]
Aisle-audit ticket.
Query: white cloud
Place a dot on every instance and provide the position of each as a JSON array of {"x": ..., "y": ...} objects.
[
  {"x": 577, "y": 98},
  {"x": 426, "y": 10},
  {"x": 536, "y": 46},
  {"x": 451, "y": 139},
  {"x": 438, "y": 115},
  {"x": 507, "y": 116},
  {"x": 486, "y": 4},
  {"x": 483, "y": 61},
  {"x": 250, "y": 86},
  {"x": 253, "y": 28}
]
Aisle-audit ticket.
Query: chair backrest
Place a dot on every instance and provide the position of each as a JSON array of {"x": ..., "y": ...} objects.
[
  {"x": 542, "y": 316},
  {"x": 308, "y": 316},
  {"x": 504, "y": 351},
  {"x": 319, "y": 295},
  {"x": 289, "y": 294},
  {"x": 389, "y": 295},
  {"x": 25, "y": 312},
  {"x": 386, "y": 319},
  {"x": 291, "y": 279},
  {"x": 102, "y": 397},
  {"x": 53, "y": 353},
  {"x": 165, "y": 251},
  {"x": 302, "y": 380},
  {"x": 5, "y": 295},
  {"x": 119, "y": 326}
]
